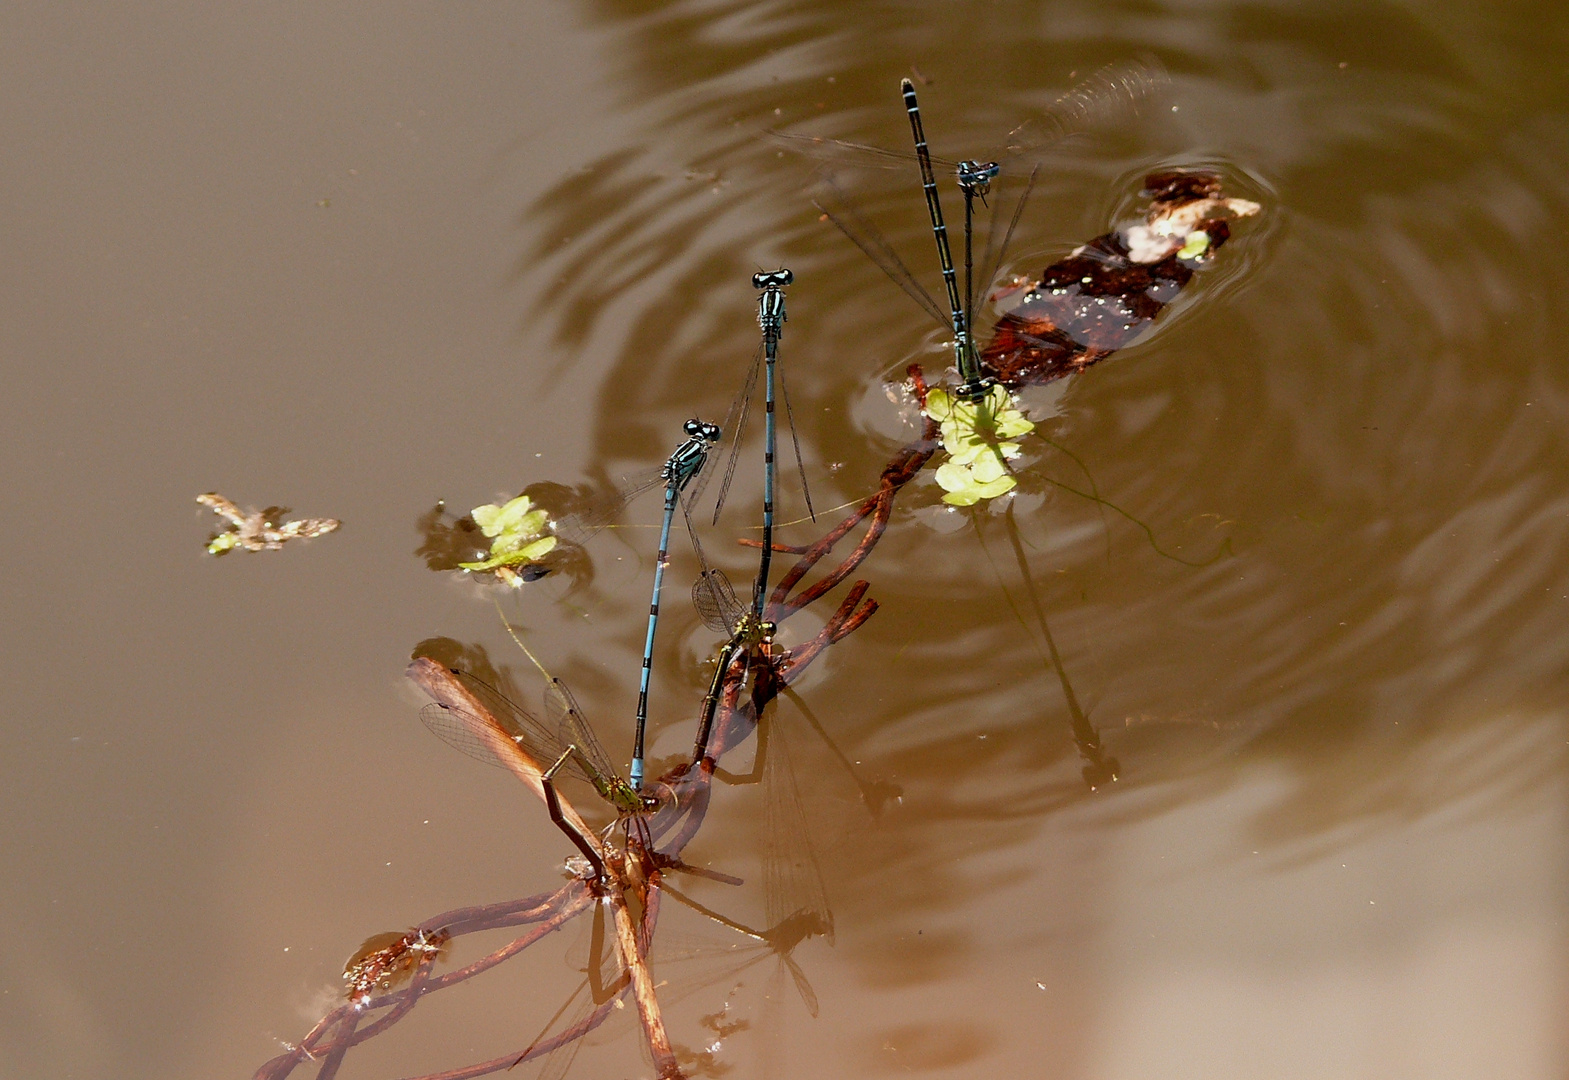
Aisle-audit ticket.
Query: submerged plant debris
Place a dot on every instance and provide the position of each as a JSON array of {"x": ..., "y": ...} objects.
[
  {"x": 385, "y": 961},
  {"x": 1106, "y": 293},
  {"x": 257, "y": 530}
]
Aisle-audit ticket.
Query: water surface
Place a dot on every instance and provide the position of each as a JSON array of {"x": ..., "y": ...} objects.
[{"x": 359, "y": 261}]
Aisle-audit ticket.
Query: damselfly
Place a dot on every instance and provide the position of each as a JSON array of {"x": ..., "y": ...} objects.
[
  {"x": 1019, "y": 159},
  {"x": 749, "y": 635},
  {"x": 683, "y": 466},
  {"x": 771, "y": 319},
  {"x": 569, "y": 747}
]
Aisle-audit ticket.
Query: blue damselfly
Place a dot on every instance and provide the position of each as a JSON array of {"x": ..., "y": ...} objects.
[{"x": 682, "y": 467}]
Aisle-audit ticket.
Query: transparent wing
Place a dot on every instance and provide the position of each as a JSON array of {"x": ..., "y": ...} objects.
[
  {"x": 802, "y": 985},
  {"x": 1102, "y": 97},
  {"x": 605, "y": 982},
  {"x": 833, "y": 202},
  {"x": 734, "y": 429},
  {"x": 582, "y": 527},
  {"x": 573, "y": 728},
  {"x": 466, "y": 731},
  {"x": 795, "y": 440},
  {"x": 793, "y": 890},
  {"x": 715, "y": 600},
  {"x": 461, "y": 730},
  {"x": 1107, "y": 94},
  {"x": 560, "y": 1060},
  {"x": 577, "y": 1020},
  {"x": 991, "y": 260},
  {"x": 848, "y": 152}
]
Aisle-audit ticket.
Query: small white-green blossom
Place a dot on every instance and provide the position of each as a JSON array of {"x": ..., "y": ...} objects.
[
  {"x": 517, "y": 536},
  {"x": 977, "y": 436}
]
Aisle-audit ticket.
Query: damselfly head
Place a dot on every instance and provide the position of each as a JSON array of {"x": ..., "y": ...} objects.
[
  {"x": 707, "y": 432},
  {"x": 765, "y": 279},
  {"x": 976, "y": 176}
]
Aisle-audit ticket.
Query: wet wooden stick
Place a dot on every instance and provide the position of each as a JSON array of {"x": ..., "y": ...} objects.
[{"x": 632, "y": 956}]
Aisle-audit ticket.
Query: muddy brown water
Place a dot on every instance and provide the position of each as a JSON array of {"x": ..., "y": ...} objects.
[{"x": 359, "y": 260}]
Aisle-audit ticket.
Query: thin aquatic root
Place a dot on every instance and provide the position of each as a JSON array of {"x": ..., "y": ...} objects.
[
  {"x": 576, "y": 898},
  {"x": 904, "y": 467},
  {"x": 550, "y": 912},
  {"x": 777, "y": 547},
  {"x": 406, "y": 1001},
  {"x": 543, "y": 1047},
  {"x": 334, "y": 1059}
]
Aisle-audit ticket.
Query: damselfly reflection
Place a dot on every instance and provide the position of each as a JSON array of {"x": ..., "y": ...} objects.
[
  {"x": 605, "y": 983},
  {"x": 795, "y": 897}
]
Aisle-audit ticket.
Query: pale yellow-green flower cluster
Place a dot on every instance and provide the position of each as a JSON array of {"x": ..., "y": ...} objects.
[
  {"x": 976, "y": 435},
  {"x": 517, "y": 537}
]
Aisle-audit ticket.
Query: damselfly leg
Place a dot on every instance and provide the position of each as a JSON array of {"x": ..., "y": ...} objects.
[
  {"x": 497, "y": 728},
  {"x": 553, "y": 806}
]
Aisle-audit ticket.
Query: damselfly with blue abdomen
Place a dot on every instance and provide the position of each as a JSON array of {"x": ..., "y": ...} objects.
[{"x": 680, "y": 470}]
